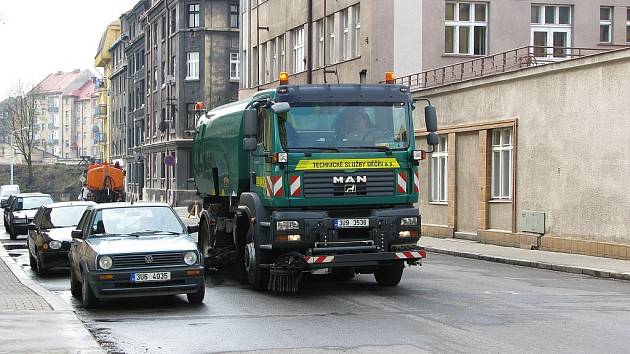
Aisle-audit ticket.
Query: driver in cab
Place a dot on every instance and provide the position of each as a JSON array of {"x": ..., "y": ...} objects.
[{"x": 353, "y": 126}]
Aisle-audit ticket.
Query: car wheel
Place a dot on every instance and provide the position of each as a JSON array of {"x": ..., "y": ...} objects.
[
  {"x": 197, "y": 296},
  {"x": 12, "y": 234},
  {"x": 390, "y": 275},
  {"x": 88, "y": 299},
  {"x": 32, "y": 262},
  {"x": 75, "y": 285}
]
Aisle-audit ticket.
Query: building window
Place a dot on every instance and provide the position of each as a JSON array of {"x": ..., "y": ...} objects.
[
  {"x": 297, "y": 38},
  {"x": 332, "y": 54},
  {"x": 345, "y": 35},
  {"x": 191, "y": 116},
  {"x": 605, "y": 24},
  {"x": 234, "y": 66},
  {"x": 282, "y": 50},
  {"x": 193, "y": 15},
  {"x": 192, "y": 66},
  {"x": 439, "y": 172},
  {"x": 264, "y": 56},
  {"x": 502, "y": 163},
  {"x": 234, "y": 16},
  {"x": 466, "y": 28},
  {"x": 173, "y": 20},
  {"x": 356, "y": 33},
  {"x": 628, "y": 25},
  {"x": 319, "y": 40},
  {"x": 550, "y": 31},
  {"x": 274, "y": 59}
]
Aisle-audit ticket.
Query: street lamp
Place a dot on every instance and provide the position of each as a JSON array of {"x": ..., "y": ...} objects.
[{"x": 13, "y": 150}]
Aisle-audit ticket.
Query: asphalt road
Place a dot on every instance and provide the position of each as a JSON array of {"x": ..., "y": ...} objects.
[{"x": 449, "y": 304}]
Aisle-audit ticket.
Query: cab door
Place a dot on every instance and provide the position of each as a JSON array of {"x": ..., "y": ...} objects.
[{"x": 265, "y": 181}]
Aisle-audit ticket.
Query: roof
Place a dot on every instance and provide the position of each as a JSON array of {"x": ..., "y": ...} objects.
[
  {"x": 63, "y": 82},
  {"x": 84, "y": 92},
  {"x": 128, "y": 205},
  {"x": 67, "y": 204}
]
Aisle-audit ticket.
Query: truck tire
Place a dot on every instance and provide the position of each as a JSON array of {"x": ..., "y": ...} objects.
[
  {"x": 257, "y": 276},
  {"x": 389, "y": 275}
]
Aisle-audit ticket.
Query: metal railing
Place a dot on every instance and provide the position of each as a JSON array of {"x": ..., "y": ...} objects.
[{"x": 511, "y": 60}]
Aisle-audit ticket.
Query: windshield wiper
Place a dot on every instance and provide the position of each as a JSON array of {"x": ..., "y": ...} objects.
[
  {"x": 379, "y": 147},
  {"x": 314, "y": 148},
  {"x": 154, "y": 232}
]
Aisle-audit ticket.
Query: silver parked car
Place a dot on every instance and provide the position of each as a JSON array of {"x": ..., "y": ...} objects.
[{"x": 123, "y": 250}]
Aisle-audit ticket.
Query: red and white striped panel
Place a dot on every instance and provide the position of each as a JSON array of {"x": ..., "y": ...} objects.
[
  {"x": 416, "y": 182},
  {"x": 319, "y": 259},
  {"x": 411, "y": 254},
  {"x": 402, "y": 182},
  {"x": 295, "y": 186},
  {"x": 274, "y": 186}
]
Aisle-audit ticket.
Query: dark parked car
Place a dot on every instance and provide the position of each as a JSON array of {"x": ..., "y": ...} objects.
[
  {"x": 49, "y": 234},
  {"x": 21, "y": 211},
  {"x": 123, "y": 250}
]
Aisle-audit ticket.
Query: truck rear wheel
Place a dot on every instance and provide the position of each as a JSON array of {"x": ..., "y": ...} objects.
[{"x": 389, "y": 275}]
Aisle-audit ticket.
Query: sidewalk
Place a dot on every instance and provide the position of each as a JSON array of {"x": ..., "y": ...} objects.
[
  {"x": 563, "y": 262},
  {"x": 32, "y": 319}
]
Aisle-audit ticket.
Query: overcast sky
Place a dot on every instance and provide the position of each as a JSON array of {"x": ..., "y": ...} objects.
[{"x": 39, "y": 37}]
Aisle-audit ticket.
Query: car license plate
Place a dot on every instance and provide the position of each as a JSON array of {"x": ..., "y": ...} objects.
[
  {"x": 146, "y": 277},
  {"x": 351, "y": 223}
]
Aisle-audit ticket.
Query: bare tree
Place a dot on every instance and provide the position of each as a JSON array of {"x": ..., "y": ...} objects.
[{"x": 22, "y": 109}]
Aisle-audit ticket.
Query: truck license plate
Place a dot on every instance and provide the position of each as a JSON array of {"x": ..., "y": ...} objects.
[
  {"x": 351, "y": 223},
  {"x": 146, "y": 277}
]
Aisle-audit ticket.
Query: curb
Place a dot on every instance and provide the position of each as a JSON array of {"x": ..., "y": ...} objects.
[
  {"x": 55, "y": 302},
  {"x": 594, "y": 272}
]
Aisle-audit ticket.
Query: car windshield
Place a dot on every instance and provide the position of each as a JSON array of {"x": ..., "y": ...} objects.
[
  {"x": 136, "y": 221},
  {"x": 9, "y": 191},
  {"x": 62, "y": 216},
  {"x": 352, "y": 126},
  {"x": 32, "y": 202}
]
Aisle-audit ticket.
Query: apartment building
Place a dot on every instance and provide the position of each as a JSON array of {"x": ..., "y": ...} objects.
[
  {"x": 355, "y": 41},
  {"x": 188, "y": 46}
]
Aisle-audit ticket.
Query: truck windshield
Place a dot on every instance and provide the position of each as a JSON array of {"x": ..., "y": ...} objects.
[{"x": 340, "y": 125}]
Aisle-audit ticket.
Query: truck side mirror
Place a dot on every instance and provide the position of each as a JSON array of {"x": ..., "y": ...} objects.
[
  {"x": 433, "y": 139},
  {"x": 249, "y": 144},
  {"x": 430, "y": 118},
  {"x": 280, "y": 107},
  {"x": 250, "y": 122}
]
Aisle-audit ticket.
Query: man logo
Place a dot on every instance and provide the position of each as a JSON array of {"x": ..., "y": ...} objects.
[
  {"x": 351, "y": 188},
  {"x": 349, "y": 179},
  {"x": 148, "y": 259}
]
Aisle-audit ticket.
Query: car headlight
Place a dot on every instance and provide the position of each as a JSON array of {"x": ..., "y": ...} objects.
[
  {"x": 105, "y": 262},
  {"x": 287, "y": 225},
  {"x": 54, "y": 245},
  {"x": 19, "y": 221},
  {"x": 190, "y": 257},
  {"x": 410, "y": 221}
]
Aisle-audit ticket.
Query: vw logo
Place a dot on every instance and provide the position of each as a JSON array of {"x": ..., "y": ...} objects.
[{"x": 148, "y": 259}]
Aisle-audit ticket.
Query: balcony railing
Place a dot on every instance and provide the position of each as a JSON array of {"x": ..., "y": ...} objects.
[{"x": 511, "y": 60}]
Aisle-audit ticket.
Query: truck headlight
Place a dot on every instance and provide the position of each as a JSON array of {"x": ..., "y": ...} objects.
[
  {"x": 105, "y": 262},
  {"x": 419, "y": 155},
  {"x": 190, "y": 257},
  {"x": 54, "y": 245},
  {"x": 287, "y": 225},
  {"x": 410, "y": 221}
]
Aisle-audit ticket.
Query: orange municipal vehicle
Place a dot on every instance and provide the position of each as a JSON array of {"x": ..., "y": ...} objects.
[{"x": 104, "y": 183}]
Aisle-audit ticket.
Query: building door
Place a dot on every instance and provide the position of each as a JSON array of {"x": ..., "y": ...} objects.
[
  {"x": 467, "y": 184},
  {"x": 551, "y": 43}
]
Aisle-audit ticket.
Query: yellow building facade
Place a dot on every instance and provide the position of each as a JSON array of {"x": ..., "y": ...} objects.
[{"x": 103, "y": 59}]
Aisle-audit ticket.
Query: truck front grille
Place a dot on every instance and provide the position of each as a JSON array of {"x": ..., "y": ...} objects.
[{"x": 370, "y": 183}]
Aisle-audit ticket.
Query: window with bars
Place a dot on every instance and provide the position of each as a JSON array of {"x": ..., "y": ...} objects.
[
  {"x": 356, "y": 31},
  {"x": 466, "y": 28},
  {"x": 193, "y": 15},
  {"x": 439, "y": 172},
  {"x": 297, "y": 38},
  {"x": 605, "y": 24},
  {"x": 502, "y": 163},
  {"x": 192, "y": 66}
]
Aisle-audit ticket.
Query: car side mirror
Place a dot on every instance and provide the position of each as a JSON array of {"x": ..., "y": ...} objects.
[
  {"x": 77, "y": 234},
  {"x": 4, "y": 204},
  {"x": 31, "y": 226},
  {"x": 192, "y": 229}
]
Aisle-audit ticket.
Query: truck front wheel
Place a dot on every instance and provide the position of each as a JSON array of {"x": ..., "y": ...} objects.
[
  {"x": 389, "y": 275},
  {"x": 257, "y": 276}
]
